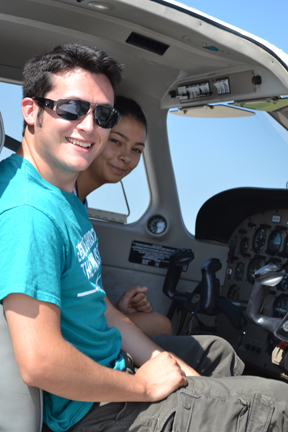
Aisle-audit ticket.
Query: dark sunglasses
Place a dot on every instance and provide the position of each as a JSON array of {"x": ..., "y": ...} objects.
[{"x": 74, "y": 109}]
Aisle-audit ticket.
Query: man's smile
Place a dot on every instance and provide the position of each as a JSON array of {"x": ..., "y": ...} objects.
[{"x": 82, "y": 144}]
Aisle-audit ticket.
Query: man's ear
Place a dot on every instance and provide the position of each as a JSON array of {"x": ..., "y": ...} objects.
[{"x": 29, "y": 111}]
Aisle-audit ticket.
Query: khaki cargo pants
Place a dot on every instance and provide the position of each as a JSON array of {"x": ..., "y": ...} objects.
[
  {"x": 207, "y": 404},
  {"x": 218, "y": 401}
]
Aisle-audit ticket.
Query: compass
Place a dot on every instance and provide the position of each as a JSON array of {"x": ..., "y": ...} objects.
[{"x": 157, "y": 224}]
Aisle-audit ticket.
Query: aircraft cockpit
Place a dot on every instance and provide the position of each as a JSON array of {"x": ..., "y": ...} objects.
[{"x": 203, "y": 219}]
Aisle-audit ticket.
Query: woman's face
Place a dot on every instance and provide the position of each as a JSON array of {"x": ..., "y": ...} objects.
[{"x": 121, "y": 153}]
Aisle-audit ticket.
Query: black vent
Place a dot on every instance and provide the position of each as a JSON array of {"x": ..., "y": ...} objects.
[
  {"x": 11, "y": 143},
  {"x": 147, "y": 43}
]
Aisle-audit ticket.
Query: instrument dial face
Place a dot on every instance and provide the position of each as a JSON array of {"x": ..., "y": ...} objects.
[
  {"x": 157, "y": 224},
  {"x": 259, "y": 240},
  {"x": 280, "y": 306},
  {"x": 239, "y": 271},
  {"x": 233, "y": 293},
  {"x": 274, "y": 242},
  {"x": 253, "y": 266},
  {"x": 244, "y": 245}
]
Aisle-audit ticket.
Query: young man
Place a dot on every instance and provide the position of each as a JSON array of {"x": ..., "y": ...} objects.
[{"x": 66, "y": 334}]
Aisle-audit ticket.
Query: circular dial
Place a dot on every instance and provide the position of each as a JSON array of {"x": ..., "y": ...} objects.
[
  {"x": 259, "y": 240},
  {"x": 253, "y": 266},
  {"x": 239, "y": 271},
  {"x": 283, "y": 285},
  {"x": 274, "y": 242},
  {"x": 244, "y": 245},
  {"x": 157, "y": 224},
  {"x": 280, "y": 306},
  {"x": 233, "y": 293}
]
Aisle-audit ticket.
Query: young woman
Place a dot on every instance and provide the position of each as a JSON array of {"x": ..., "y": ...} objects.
[{"x": 120, "y": 156}]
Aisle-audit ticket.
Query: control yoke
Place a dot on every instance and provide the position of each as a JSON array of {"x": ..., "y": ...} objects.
[
  {"x": 179, "y": 261},
  {"x": 210, "y": 302},
  {"x": 265, "y": 278},
  {"x": 210, "y": 286}
]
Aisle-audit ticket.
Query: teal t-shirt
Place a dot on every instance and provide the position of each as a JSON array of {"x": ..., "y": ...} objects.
[{"x": 49, "y": 251}]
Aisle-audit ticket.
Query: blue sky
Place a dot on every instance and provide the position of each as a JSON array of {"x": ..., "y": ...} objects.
[
  {"x": 231, "y": 153},
  {"x": 263, "y": 18}
]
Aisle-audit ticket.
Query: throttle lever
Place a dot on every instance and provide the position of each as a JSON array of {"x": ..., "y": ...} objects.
[
  {"x": 178, "y": 261},
  {"x": 266, "y": 277}
]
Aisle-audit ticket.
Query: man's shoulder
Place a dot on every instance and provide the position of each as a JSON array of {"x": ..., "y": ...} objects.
[
  {"x": 11, "y": 182},
  {"x": 22, "y": 190},
  {"x": 22, "y": 185},
  {"x": 17, "y": 183}
]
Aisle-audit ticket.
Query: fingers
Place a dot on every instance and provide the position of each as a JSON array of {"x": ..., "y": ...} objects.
[
  {"x": 179, "y": 368},
  {"x": 134, "y": 300},
  {"x": 147, "y": 308},
  {"x": 138, "y": 289},
  {"x": 132, "y": 292},
  {"x": 162, "y": 375},
  {"x": 140, "y": 301},
  {"x": 141, "y": 304}
]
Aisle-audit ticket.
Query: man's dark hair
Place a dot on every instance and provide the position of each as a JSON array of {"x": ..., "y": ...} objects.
[
  {"x": 38, "y": 71},
  {"x": 129, "y": 107}
]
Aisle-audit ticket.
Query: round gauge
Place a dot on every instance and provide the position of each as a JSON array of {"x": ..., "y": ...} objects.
[
  {"x": 239, "y": 271},
  {"x": 253, "y": 266},
  {"x": 280, "y": 306},
  {"x": 274, "y": 242},
  {"x": 157, "y": 224},
  {"x": 233, "y": 293},
  {"x": 244, "y": 245},
  {"x": 283, "y": 285},
  {"x": 259, "y": 240}
]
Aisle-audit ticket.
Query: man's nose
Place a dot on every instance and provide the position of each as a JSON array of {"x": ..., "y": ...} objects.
[{"x": 87, "y": 123}]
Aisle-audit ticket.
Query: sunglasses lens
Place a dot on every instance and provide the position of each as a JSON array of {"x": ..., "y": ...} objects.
[
  {"x": 72, "y": 109},
  {"x": 106, "y": 117}
]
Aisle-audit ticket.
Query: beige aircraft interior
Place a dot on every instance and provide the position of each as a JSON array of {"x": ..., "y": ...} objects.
[{"x": 177, "y": 58}]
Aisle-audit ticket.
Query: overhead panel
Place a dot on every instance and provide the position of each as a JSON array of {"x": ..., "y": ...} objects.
[{"x": 212, "y": 90}]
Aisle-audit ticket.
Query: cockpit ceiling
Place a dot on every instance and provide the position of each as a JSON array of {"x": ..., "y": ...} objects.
[{"x": 196, "y": 50}]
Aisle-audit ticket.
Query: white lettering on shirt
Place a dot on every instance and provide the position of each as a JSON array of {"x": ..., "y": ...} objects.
[{"x": 88, "y": 258}]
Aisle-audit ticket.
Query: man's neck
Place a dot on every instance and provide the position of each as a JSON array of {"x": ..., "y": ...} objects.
[{"x": 63, "y": 182}]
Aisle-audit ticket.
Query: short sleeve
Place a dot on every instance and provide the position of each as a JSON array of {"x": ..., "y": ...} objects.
[{"x": 32, "y": 255}]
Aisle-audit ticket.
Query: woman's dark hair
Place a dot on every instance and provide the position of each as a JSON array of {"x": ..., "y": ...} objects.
[
  {"x": 38, "y": 71},
  {"x": 128, "y": 107}
]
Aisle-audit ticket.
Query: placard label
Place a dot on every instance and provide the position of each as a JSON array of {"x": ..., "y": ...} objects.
[{"x": 150, "y": 254}]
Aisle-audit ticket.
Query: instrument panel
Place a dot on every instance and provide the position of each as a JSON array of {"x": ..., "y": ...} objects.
[{"x": 259, "y": 240}]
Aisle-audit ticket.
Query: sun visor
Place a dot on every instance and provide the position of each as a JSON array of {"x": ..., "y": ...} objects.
[
  {"x": 276, "y": 107},
  {"x": 268, "y": 105},
  {"x": 213, "y": 111}
]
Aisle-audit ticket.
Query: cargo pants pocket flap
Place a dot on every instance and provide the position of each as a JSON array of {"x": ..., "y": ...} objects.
[{"x": 225, "y": 413}]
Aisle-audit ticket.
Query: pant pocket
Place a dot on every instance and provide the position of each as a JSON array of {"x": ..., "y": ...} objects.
[{"x": 225, "y": 413}]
